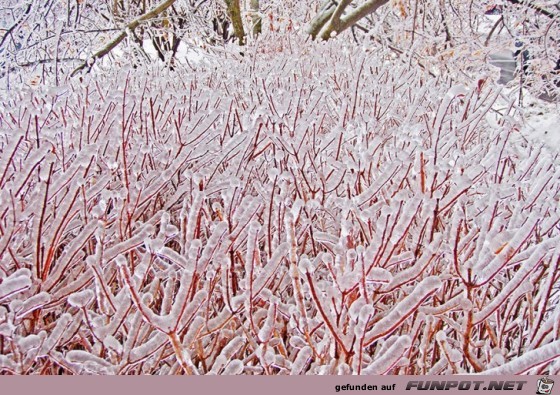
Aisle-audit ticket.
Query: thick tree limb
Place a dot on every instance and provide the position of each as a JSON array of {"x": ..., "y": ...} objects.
[
  {"x": 335, "y": 19},
  {"x": 331, "y": 20},
  {"x": 322, "y": 17},
  {"x": 122, "y": 35},
  {"x": 369, "y": 7}
]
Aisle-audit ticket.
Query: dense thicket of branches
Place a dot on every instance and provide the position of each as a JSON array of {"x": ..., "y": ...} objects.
[
  {"x": 344, "y": 190},
  {"x": 377, "y": 221},
  {"x": 55, "y": 37}
]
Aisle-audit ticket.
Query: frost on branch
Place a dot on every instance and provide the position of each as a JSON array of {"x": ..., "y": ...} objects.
[{"x": 291, "y": 226}]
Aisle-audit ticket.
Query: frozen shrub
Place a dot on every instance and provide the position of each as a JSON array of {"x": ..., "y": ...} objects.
[{"x": 321, "y": 210}]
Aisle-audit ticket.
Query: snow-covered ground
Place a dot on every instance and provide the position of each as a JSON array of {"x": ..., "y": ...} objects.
[
  {"x": 543, "y": 123},
  {"x": 506, "y": 62},
  {"x": 542, "y": 117}
]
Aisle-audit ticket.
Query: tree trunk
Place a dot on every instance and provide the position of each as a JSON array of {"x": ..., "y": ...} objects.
[
  {"x": 234, "y": 11},
  {"x": 256, "y": 21}
]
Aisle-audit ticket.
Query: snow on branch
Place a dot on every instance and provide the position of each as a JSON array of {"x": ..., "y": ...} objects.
[{"x": 257, "y": 217}]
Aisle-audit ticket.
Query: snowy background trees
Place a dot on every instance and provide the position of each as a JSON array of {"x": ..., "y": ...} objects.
[{"x": 368, "y": 203}]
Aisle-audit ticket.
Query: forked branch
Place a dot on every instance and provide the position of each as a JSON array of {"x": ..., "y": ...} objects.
[{"x": 130, "y": 27}]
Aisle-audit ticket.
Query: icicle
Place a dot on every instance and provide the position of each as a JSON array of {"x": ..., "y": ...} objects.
[
  {"x": 404, "y": 308},
  {"x": 268, "y": 327},
  {"x": 529, "y": 360},
  {"x": 301, "y": 360},
  {"x": 18, "y": 282},
  {"x": 33, "y": 303},
  {"x": 390, "y": 357}
]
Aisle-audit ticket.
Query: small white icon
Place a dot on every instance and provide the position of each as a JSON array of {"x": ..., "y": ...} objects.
[{"x": 544, "y": 386}]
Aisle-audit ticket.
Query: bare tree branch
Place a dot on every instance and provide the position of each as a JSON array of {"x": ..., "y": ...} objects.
[
  {"x": 331, "y": 20},
  {"x": 16, "y": 24},
  {"x": 535, "y": 7},
  {"x": 369, "y": 7},
  {"x": 122, "y": 35},
  {"x": 322, "y": 17}
]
